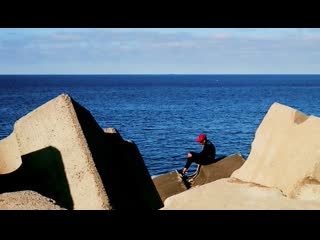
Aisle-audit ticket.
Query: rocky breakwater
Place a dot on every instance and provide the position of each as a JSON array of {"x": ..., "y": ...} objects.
[
  {"x": 173, "y": 183},
  {"x": 59, "y": 155},
  {"x": 282, "y": 170}
]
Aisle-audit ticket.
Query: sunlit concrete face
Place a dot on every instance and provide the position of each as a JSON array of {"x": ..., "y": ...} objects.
[
  {"x": 10, "y": 158},
  {"x": 60, "y": 151},
  {"x": 54, "y": 125},
  {"x": 285, "y": 153}
]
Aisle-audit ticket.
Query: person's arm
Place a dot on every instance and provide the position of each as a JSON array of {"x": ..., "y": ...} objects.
[{"x": 194, "y": 155}]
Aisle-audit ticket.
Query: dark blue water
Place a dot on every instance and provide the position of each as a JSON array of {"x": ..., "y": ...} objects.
[{"x": 164, "y": 114}]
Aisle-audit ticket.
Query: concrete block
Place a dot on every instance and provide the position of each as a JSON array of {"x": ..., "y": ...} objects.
[
  {"x": 169, "y": 184},
  {"x": 285, "y": 154},
  {"x": 66, "y": 156},
  {"x": 217, "y": 170}
]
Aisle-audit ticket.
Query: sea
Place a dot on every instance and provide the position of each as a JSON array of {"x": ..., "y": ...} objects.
[{"x": 164, "y": 114}]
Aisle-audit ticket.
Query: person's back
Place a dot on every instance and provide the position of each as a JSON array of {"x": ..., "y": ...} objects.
[{"x": 209, "y": 152}]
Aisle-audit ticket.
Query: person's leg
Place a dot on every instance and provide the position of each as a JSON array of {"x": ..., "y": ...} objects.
[
  {"x": 188, "y": 163},
  {"x": 190, "y": 160}
]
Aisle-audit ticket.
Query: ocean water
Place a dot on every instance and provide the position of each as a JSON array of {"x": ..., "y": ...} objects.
[{"x": 164, "y": 114}]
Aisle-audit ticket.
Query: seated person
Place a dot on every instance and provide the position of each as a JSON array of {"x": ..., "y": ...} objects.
[{"x": 207, "y": 154}]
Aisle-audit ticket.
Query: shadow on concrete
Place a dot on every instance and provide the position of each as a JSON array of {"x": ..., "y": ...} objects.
[
  {"x": 124, "y": 175},
  {"x": 41, "y": 171},
  {"x": 214, "y": 160}
]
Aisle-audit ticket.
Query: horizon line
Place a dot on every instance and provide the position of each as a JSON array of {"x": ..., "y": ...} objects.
[{"x": 1, "y": 74}]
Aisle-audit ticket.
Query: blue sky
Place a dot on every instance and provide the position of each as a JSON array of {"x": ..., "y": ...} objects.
[{"x": 160, "y": 51}]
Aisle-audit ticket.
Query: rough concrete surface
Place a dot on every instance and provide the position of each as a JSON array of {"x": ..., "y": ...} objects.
[
  {"x": 220, "y": 169},
  {"x": 59, "y": 151},
  {"x": 169, "y": 184},
  {"x": 27, "y": 200},
  {"x": 50, "y": 140},
  {"x": 232, "y": 194},
  {"x": 285, "y": 154},
  {"x": 10, "y": 158}
]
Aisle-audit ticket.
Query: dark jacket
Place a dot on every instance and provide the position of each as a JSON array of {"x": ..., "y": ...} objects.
[{"x": 208, "y": 153}]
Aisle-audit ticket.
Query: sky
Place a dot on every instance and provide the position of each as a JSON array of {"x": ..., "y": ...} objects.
[{"x": 159, "y": 51}]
